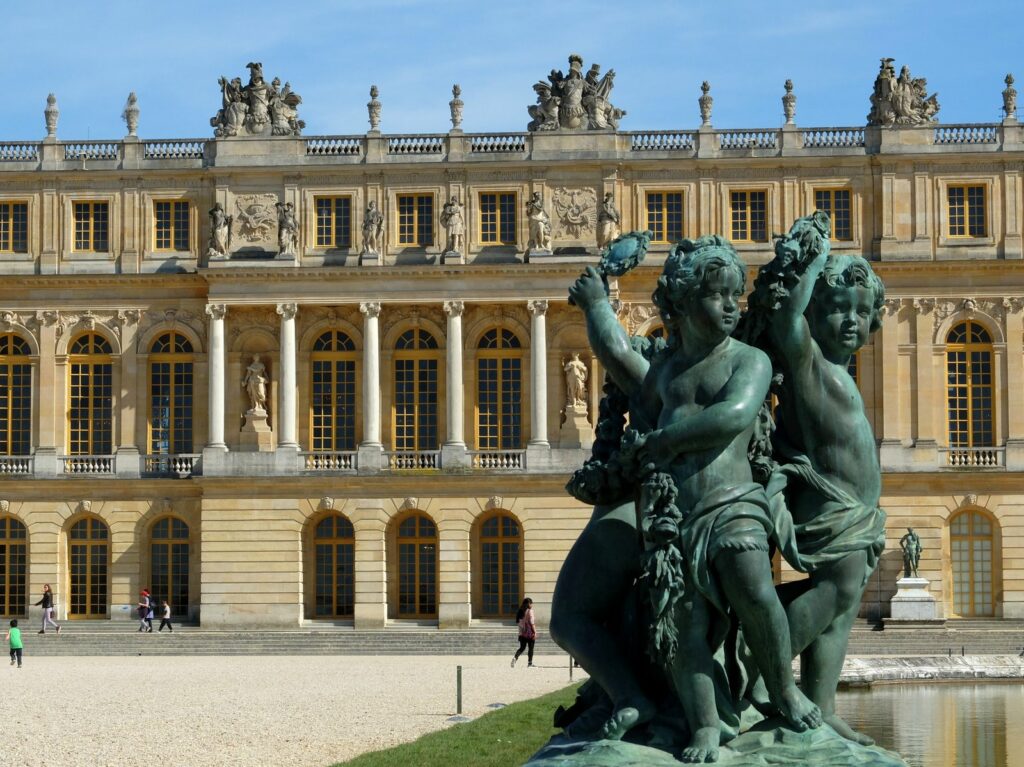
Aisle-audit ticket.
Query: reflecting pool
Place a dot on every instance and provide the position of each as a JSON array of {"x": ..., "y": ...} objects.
[{"x": 942, "y": 725}]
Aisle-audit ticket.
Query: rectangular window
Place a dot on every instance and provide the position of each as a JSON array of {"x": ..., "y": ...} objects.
[
  {"x": 13, "y": 227},
  {"x": 333, "y": 222},
  {"x": 171, "y": 225},
  {"x": 665, "y": 215},
  {"x": 966, "y": 207},
  {"x": 749, "y": 216},
  {"x": 416, "y": 219},
  {"x": 92, "y": 226},
  {"x": 91, "y": 414},
  {"x": 498, "y": 218},
  {"x": 836, "y": 202}
]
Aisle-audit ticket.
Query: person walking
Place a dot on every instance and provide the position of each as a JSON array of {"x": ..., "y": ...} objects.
[
  {"x": 165, "y": 619},
  {"x": 145, "y": 611},
  {"x": 47, "y": 604},
  {"x": 14, "y": 641},
  {"x": 527, "y": 631}
]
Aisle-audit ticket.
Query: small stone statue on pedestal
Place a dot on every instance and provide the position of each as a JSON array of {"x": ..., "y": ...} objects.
[
  {"x": 576, "y": 431},
  {"x": 287, "y": 230},
  {"x": 540, "y": 225},
  {"x": 256, "y": 433},
  {"x": 455, "y": 226},
  {"x": 255, "y": 383},
  {"x": 607, "y": 222},
  {"x": 911, "y": 546},
  {"x": 373, "y": 229},
  {"x": 220, "y": 232}
]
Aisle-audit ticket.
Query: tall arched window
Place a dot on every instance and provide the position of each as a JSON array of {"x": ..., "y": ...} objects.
[
  {"x": 88, "y": 558},
  {"x": 499, "y": 392},
  {"x": 417, "y": 567},
  {"x": 170, "y": 395},
  {"x": 15, "y": 396},
  {"x": 969, "y": 373},
  {"x": 972, "y": 544},
  {"x": 13, "y": 567},
  {"x": 335, "y": 544},
  {"x": 417, "y": 363},
  {"x": 90, "y": 396},
  {"x": 332, "y": 400},
  {"x": 169, "y": 560},
  {"x": 501, "y": 566}
]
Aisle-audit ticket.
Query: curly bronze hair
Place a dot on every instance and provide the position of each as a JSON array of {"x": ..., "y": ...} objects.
[
  {"x": 846, "y": 271},
  {"x": 689, "y": 264}
]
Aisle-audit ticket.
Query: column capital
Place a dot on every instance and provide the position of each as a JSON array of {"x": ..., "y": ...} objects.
[
  {"x": 537, "y": 307},
  {"x": 370, "y": 308},
  {"x": 454, "y": 308},
  {"x": 217, "y": 311},
  {"x": 923, "y": 305},
  {"x": 288, "y": 310}
]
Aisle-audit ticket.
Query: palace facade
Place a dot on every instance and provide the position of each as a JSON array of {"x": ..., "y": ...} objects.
[{"x": 408, "y": 456}]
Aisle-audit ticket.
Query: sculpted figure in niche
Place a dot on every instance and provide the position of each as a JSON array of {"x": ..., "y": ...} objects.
[
  {"x": 373, "y": 228},
  {"x": 255, "y": 383},
  {"x": 912, "y": 548},
  {"x": 287, "y": 229},
  {"x": 540, "y": 223},
  {"x": 220, "y": 232},
  {"x": 607, "y": 222},
  {"x": 575, "y": 382},
  {"x": 455, "y": 225}
]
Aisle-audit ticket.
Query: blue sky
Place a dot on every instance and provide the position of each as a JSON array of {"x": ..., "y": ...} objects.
[{"x": 91, "y": 55}]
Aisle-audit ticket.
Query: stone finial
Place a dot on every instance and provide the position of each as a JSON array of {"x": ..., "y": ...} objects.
[
  {"x": 705, "y": 101},
  {"x": 130, "y": 115},
  {"x": 51, "y": 113},
  {"x": 456, "y": 105},
  {"x": 1009, "y": 99},
  {"x": 789, "y": 103},
  {"x": 373, "y": 107}
]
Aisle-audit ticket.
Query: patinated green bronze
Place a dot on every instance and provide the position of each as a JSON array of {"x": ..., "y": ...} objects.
[{"x": 667, "y": 597}]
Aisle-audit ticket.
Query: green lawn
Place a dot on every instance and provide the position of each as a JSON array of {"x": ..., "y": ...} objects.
[{"x": 506, "y": 737}]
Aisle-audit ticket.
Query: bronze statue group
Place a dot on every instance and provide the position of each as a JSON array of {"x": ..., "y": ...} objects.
[{"x": 736, "y": 436}]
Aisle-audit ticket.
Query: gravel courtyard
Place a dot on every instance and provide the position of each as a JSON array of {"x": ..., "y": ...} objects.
[{"x": 188, "y": 711}]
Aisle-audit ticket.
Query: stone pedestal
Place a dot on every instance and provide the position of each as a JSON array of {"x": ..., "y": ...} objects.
[
  {"x": 913, "y": 602},
  {"x": 576, "y": 432},
  {"x": 452, "y": 257},
  {"x": 256, "y": 433},
  {"x": 369, "y": 259},
  {"x": 537, "y": 253}
]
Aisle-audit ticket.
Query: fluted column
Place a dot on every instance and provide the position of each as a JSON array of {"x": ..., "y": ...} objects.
[
  {"x": 217, "y": 313},
  {"x": 539, "y": 372},
  {"x": 456, "y": 406},
  {"x": 287, "y": 405},
  {"x": 371, "y": 373}
]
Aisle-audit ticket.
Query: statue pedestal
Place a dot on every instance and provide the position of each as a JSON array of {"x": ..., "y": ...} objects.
[
  {"x": 452, "y": 257},
  {"x": 256, "y": 433},
  {"x": 369, "y": 259},
  {"x": 533, "y": 253},
  {"x": 913, "y": 602},
  {"x": 576, "y": 432}
]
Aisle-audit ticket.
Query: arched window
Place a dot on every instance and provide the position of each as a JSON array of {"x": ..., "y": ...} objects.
[
  {"x": 332, "y": 400},
  {"x": 335, "y": 544},
  {"x": 15, "y": 396},
  {"x": 88, "y": 558},
  {"x": 417, "y": 567},
  {"x": 13, "y": 567},
  {"x": 972, "y": 544},
  {"x": 417, "y": 363},
  {"x": 501, "y": 566},
  {"x": 170, "y": 395},
  {"x": 169, "y": 560},
  {"x": 90, "y": 396},
  {"x": 969, "y": 373},
  {"x": 499, "y": 392}
]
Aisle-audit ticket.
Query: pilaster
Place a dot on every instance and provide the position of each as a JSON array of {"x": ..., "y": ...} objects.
[
  {"x": 287, "y": 391},
  {"x": 453, "y": 451},
  {"x": 1014, "y": 383},
  {"x": 217, "y": 313},
  {"x": 371, "y": 450},
  {"x": 539, "y": 373}
]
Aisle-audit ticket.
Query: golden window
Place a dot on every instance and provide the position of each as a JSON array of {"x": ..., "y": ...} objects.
[
  {"x": 972, "y": 543},
  {"x": 966, "y": 211},
  {"x": 171, "y": 225},
  {"x": 501, "y": 566},
  {"x": 88, "y": 563},
  {"x": 333, "y": 222},
  {"x": 169, "y": 565},
  {"x": 749, "y": 216},
  {"x": 335, "y": 544},
  {"x": 417, "y": 567},
  {"x": 90, "y": 396},
  {"x": 416, "y": 219},
  {"x": 15, "y": 395},
  {"x": 13, "y": 567},
  {"x": 171, "y": 395},
  {"x": 499, "y": 391},
  {"x": 13, "y": 227},
  {"x": 498, "y": 218},
  {"x": 665, "y": 215},
  {"x": 333, "y": 392},
  {"x": 92, "y": 226},
  {"x": 970, "y": 386},
  {"x": 836, "y": 202},
  {"x": 417, "y": 365}
]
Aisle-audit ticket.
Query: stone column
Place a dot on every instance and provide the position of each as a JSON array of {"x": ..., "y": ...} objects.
[
  {"x": 287, "y": 406},
  {"x": 453, "y": 451},
  {"x": 126, "y": 458},
  {"x": 1014, "y": 383},
  {"x": 217, "y": 313},
  {"x": 890, "y": 424},
  {"x": 370, "y": 449},
  {"x": 44, "y": 405},
  {"x": 539, "y": 373}
]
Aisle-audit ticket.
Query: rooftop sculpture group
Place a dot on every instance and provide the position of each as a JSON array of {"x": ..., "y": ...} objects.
[
  {"x": 901, "y": 100},
  {"x": 575, "y": 101},
  {"x": 258, "y": 108}
]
